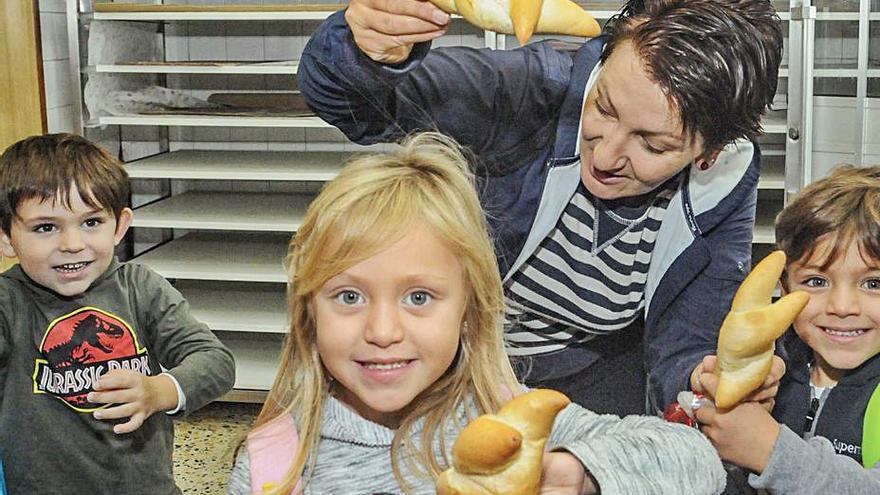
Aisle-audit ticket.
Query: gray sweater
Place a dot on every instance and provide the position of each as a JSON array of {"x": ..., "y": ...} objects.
[
  {"x": 634, "y": 455},
  {"x": 803, "y": 467}
]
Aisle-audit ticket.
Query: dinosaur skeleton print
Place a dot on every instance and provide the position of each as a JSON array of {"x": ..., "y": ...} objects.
[{"x": 78, "y": 348}]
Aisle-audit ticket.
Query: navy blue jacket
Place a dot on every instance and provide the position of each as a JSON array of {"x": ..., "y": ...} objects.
[
  {"x": 519, "y": 112},
  {"x": 842, "y": 415}
]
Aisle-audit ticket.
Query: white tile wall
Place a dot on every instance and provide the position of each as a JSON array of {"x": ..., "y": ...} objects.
[{"x": 56, "y": 68}]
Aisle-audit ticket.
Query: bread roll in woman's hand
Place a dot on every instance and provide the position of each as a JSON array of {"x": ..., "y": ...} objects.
[
  {"x": 524, "y": 17},
  {"x": 748, "y": 334},
  {"x": 501, "y": 454}
]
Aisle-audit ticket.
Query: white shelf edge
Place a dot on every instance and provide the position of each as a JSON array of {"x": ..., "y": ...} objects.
[
  {"x": 248, "y": 309},
  {"x": 771, "y": 183},
  {"x": 213, "y": 121},
  {"x": 223, "y": 210},
  {"x": 234, "y": 258},
  {"x": 212, "y": 16},
  {"x": 196, "y": 69},
  {"x": 300, "y": 166},
  {"x": 844, "y": 16},
  {"x": 774, "y": 124}
]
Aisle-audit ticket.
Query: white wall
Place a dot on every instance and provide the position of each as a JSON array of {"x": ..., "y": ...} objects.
[{"x": 56, "y": 69}]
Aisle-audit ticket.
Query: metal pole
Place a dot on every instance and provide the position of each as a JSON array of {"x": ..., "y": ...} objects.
[{"x": 799, "y": 139}]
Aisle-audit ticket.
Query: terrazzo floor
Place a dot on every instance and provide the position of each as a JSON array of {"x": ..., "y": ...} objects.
[{"x": 204, "y": 444}]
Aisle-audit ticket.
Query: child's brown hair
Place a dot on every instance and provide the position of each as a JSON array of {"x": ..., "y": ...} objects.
[
  {"x": 844, "y": 206},
  {"x": 44, "y": 166}
]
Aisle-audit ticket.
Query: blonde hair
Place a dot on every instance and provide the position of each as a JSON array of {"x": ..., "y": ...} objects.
[{"x": 374, "y": 202}]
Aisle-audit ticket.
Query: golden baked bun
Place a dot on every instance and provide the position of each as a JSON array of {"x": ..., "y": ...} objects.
[
  {"x": 502, "y": 454},
  {"x": 747, "y": 336},
  {"x": 524, "y": 17}
]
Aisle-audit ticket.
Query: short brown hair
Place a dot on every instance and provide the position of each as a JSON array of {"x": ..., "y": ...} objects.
[
  {"x": 43, "y": 166},
  {"x": 717, "y": 61},
  {"x": 845, "y": 204}
]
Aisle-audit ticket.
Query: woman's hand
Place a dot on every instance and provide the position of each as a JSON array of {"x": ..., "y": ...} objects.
[
  {"x": 564, "y": 474},
  {"x": 705, "y": 381},
  {"x": 385, "y": 30}
]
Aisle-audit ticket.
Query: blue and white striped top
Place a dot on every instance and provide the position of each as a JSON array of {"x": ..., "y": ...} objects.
[{"x": 587, "y": 277}]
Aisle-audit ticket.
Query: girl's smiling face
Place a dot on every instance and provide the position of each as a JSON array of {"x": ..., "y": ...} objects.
[
  {"x": 840, "y": 323},
  {"x": 390, "y": 326}
]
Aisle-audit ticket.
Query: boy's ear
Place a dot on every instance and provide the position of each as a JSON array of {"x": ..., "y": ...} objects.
[
  {"x": 123, "y": 222},
  {"x": 6, "y": 248}
]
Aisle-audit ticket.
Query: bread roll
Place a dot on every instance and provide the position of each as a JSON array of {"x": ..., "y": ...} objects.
[
  {"x": 502, "y": 454},
  {"x": 524, "y": 17},
  {"x": 747, "y": 336}
]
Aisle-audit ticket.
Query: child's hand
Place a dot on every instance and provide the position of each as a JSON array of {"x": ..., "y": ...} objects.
[
  {"x": 705, "y": 381},
  {"x": 135, "y": 395},
  {"x": 744, "y": 435},
  {"x": 563, "y": 474}
]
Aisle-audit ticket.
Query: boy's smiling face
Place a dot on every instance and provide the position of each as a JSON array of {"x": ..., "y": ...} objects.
[
  {"x": 63, "y": 249},
  {"x": 840, "y": 323}
]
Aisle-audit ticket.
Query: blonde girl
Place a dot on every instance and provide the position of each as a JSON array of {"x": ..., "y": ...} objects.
[{"x": 396, "y": 341}]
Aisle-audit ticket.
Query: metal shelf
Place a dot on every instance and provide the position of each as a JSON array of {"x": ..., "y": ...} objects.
[
  {"x": 221, "y": 256},
  {"x": 240, "y": 165}
]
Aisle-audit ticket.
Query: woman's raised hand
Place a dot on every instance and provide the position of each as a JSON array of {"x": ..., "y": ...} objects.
[{"x": 385, "y": 30}]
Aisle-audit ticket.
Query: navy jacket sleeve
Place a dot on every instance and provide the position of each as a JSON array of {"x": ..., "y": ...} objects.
[
  {"x": 492, "y": 101},
  {"x": 688, "y": 329}
]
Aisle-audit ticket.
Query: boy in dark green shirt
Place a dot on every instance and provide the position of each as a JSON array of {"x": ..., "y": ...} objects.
[{"x": 90, "y": 348}]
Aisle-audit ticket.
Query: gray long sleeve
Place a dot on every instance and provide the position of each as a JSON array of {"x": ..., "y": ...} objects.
[
  {"x": 639, "y": 454},
  {"x": 634, "y": 455},
  {"x": 806, "y": 467}
]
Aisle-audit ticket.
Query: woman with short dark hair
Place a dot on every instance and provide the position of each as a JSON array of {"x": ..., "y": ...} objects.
[{"x": 619, "y": 178}]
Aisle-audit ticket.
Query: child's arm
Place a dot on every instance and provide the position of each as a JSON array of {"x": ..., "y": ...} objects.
[
  {"x": 202, "y": 366},
  {"x": 240, "y": 478},
  {"x": 799, "y": 466},
  {"x": 748, "y": 436},
  {"x": 639, "y": 454},
  {"x": 194, "y": 358},
  {"x": 782, "y": 461}
]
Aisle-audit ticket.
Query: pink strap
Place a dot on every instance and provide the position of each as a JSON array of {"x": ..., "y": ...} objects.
[{"x": 271, "y": 449}]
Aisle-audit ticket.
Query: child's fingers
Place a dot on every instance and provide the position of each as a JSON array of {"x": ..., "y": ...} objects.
[
  {"x": 114, "y": 396},
  {"x": 709, "y": 363},
  {"x": 768, "y": 404},
  {"x": 116, "y": 412},
  {"x": 118, "y": 379},
  {"x": 777, "y": 370},
  {"x": 709, "y": 383},
  {"x": 764, "y": 394},
  {"x": 131, "y": 425},
  {"x": 706, "y": 415}
]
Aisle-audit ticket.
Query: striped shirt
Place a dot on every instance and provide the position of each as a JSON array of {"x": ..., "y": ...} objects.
[{"x": 587, "y": 277}]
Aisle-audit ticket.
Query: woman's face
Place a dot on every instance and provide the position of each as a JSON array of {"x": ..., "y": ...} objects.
[{"x": 631, "y": 138}]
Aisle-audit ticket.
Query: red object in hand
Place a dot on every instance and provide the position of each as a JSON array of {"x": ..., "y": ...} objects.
[
  {"x": 674, "y": 413},
  {"x": 683, "y": 410}
]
